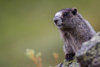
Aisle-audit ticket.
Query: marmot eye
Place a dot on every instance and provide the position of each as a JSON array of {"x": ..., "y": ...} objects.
[{"x": 65, "y": 14}]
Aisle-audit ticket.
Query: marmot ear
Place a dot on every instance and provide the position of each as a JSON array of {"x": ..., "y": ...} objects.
[{"x": 74, "y": 11}]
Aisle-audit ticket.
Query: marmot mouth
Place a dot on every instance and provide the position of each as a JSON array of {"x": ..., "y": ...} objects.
[{"x": 59, "y": 26}]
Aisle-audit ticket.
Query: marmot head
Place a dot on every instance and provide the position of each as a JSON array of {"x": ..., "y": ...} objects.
[{"x": 66, "y": 18}]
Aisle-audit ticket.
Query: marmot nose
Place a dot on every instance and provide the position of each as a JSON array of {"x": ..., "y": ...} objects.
[{"x": 56, "y": 20}]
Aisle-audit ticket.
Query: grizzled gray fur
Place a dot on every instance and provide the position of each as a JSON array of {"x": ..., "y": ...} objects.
[{"x": 74, "y": 30}]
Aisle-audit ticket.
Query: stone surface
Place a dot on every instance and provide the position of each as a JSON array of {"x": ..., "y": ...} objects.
[{"x": 87, "y": 56}]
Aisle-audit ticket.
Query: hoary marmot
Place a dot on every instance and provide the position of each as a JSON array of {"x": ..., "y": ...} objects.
[{"x": 74, "y": 30}]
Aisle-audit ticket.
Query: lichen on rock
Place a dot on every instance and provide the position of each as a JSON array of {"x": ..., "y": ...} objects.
[{"x": 87, "y": 56}]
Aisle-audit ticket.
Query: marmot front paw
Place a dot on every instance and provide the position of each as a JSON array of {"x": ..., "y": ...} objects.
[{"x": 70, "y": 57}]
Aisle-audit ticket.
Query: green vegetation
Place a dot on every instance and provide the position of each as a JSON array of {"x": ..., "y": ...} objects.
[{"x": 29, "y": 24}]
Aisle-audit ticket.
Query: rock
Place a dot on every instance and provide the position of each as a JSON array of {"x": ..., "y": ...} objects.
[{"x": 89, "y": 54}]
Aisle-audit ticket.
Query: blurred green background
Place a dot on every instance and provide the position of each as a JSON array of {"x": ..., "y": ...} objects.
[{"x": 28, "y": 24}]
